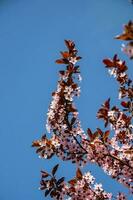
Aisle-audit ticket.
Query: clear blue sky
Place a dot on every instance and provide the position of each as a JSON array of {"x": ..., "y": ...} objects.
[{"x": 31, "y": 36}]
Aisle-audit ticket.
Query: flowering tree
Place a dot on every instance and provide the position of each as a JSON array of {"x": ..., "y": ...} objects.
[{"x": 111, "y": 149}]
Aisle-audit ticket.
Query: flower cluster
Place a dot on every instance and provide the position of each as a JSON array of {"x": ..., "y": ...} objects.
[
  {"x": 117, "y": 68},
  {"x": 84, "y": 187},
  {"x": 120, "y": 146},
  {"x": 79, "y": 188},
  {"x": 112, "y": 150}
]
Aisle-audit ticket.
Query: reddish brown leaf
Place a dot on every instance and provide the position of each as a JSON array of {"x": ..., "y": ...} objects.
[
  {"x": 125, "y": 104},
  {"x": 127, "y": 33},
  {"x": 62, "y": 72},
  {"x": 90, "y": 134},
  {"x": 124, "y": 36},
  {"x": 95, "y": 135},
  {"x": 60, "y": 181},
  {"x": 122, "y": 67},
  {"x": 106, "y": 123},
  {"x": 78, "y": 58},
  {"x": 74, "y": 86},
  {"x": 39, "y": 150},
  {"x": 47, "y": 192},
  {"x": 108, "y": 63},
  {"x": 65, "y": 54},
  {"x": 43, "y": 188},
  {"x": 44, "y": 174},
  {"x": 106, "y": 135},
  {"x": 107, "y": 103},
  {"x": 55, "y": 169},
  {"x": 60, "y": 61},
  {"x": 72, "y": 189},
  {"x": 115, "y": 58},
  {"x": 43, "y": 137},
  {"x": 70, "y": 44},
  {"x": 72, "y": 182},
  {"x": 53, "y": 193},
  {"x": 79, "y": 174},
  {"x": 36, "y": 143},
  {"x": 99, "y": 131},
  {"x": 130, "y": 151}
]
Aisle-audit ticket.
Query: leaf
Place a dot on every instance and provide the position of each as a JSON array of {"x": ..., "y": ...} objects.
[
  {"x": 78, "y": 58},
  {"x": 60, "y": 180},
  {"x": 74, "y": 85},
  {"x": 39, "y": 149},
  {"x": 65, "y": 54},
  {"x": 44, "y": 137},
  {"x": 76, "y": 69},
  {"x": 55, "y": 169},
  {"x": 79, "y": 174},
  {"x": 115, "y": 58},
  {"x": 70, "y": 44},
  {"x": 60, "y": 61},
  {"x": 106, "y": 123},
  {"x": 43, "y": 184},
  {"x": 90, "y": 134},
  {"x": 127, "y": 32},
  {"x": 99, "y": 131},
  {"x": 72, "y": 182},
  {"x": 72, "y": 189},
  {"x": 36, "y": 143},
  {"x": 44, "y": 174},
  {"x": 108, "y": 62},
  {"x": 43, "y": 188},
  {"x": 62, "y": 72},
  {"x": 106, "y": 135},
  {"x": 122, "y": 67},
  {"x": 130, "y": 151},
  {"x": 96, "y": 135},
  {"x": 107, "y": 103},
  {"x": 53, "y": 193},
  {"x": 47, "y": 192},
  {"x": 124, "y": 37},
  {"x": 125, "y": 104},
  {"x": 73, "y": 120}
]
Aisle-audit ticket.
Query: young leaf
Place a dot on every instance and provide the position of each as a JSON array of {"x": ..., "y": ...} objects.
[
  {"x": 72, "y": 182},
  {"x": 106, "y": 135},
  {"x": 99, "y": 131},
  {"x": 78, "y": 58},
  {"x": 47, "y": 192},
  {"x": 42, "y": 188},
  {"x": 44, "y": 174},
  {"x": 108, "y": 63},
  {"x": 60, "y": 61},
  {"x": 107, "y": 103},
  {"x": 60, "y": 180},
  {"x": 73, "y": 120},
  {"x": 90, "y": 134},
  {"x": 125, "y": 104},
  {"x": 36, "y": 143},
  {"x": 65, "y": 54},
  {"x": 79, "y": 174},
  {"x": 55, "y": 169}
]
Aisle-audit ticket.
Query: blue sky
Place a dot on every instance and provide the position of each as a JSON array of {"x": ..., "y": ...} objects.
[{"x": 31, "y": 35}]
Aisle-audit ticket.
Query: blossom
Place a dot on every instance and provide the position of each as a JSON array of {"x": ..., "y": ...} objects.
[
  {"x": 113, "y": 72},
  {"x": 128, "y": 49}
]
